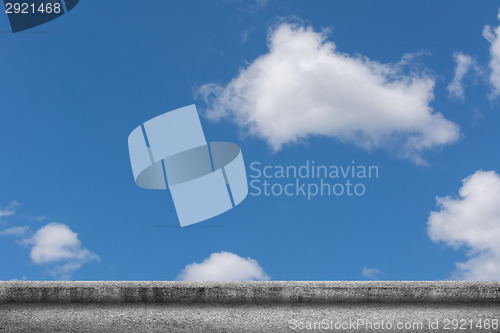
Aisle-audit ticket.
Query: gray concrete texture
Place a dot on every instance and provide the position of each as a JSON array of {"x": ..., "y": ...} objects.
[{"x": 249, "y": 306}]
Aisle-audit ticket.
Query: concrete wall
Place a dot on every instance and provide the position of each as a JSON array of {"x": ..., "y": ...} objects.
[{"x": 249, "y": 306}]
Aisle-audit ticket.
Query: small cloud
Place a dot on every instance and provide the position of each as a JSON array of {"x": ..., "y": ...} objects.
[
  {"x": 14, "y": 231},
  {"x": 493, "y": 36},
  {"x": 371, "y": 273},
  {"x": 57, "y": 244},
  {"x": 21, "y": 279},
  {"x": 476, "y": 116},
  {"x": 464, "y": 64},
  {"x": 224, "y": 266},
  {"x": 8, "y": 210},
  {"x": 245, "y": 34},
  {"x": 471, "y": 221},
  {"x": 248, "y": 5}
]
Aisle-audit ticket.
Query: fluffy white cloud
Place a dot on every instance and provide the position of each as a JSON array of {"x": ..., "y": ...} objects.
[
  {"x": 472, "y": 220},
  {"x": 14, "y": 231},
  {"x": 57, "y": 243},
  {"x": 304, "y": 87},
  {"x": 9, "y": 210},
  {"x": 224, "y": 266},
  {"x": 492, "y": 35},
  {"x": 371, "y": 273},
  {"x": 463, "y": 65}
]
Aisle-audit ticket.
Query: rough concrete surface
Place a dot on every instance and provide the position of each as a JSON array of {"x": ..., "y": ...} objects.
[{"x": 249, "y": 307}]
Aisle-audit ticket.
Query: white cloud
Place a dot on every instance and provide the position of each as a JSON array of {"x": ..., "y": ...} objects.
[
  {"x": 9, "y": 210},
  {"x": 371, "y": 273},
  {"x": 21, "y": 279},
  {"x": 472, "y": 221},
  {"x": 463, "y": 65},
  {"x": 224, "y": 266},
  {"x": 492, "y": 35},
  {"x": 305, "y": 87},
  {"x": 57, "y": 244},
  {"x": 14, "y": 231}
]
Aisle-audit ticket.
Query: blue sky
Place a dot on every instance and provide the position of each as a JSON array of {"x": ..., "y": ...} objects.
[{"x": 73, "y": 89}]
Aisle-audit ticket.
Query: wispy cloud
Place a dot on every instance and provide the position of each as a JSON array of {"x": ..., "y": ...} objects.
[
  {"x": 14, "y": 231},
  {"x": 245, "y": 35},
  {"x": 305, "y": 87},
  {"x": 9, "y": 210},
  {"x": 472, "y": 221},
  {"x": 248, "y": 5},
  {"x": 224, "y": 266},
  {"x": 21, "y": 279},
  {"x": 372, "y": 273},
  {"x": 464, "y": 64},
  {"x": 493, "y": 36}
]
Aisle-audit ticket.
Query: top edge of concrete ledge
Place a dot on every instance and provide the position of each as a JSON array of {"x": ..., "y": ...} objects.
[{"x": 262, "y": 292}]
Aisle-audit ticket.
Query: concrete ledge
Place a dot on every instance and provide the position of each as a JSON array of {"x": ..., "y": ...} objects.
[
  {"x": 207, "y": 307},
  {"x": 250, "y": 292}
]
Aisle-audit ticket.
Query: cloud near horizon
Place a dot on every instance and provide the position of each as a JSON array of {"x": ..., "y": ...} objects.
[
  {"x": 224, "y": 266},
  {"x": 372, "y": 273},
  {"x": 305, "y": 87},
  {"x": 471, "y": 221},
  {"x": 57, "y": 244}
]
